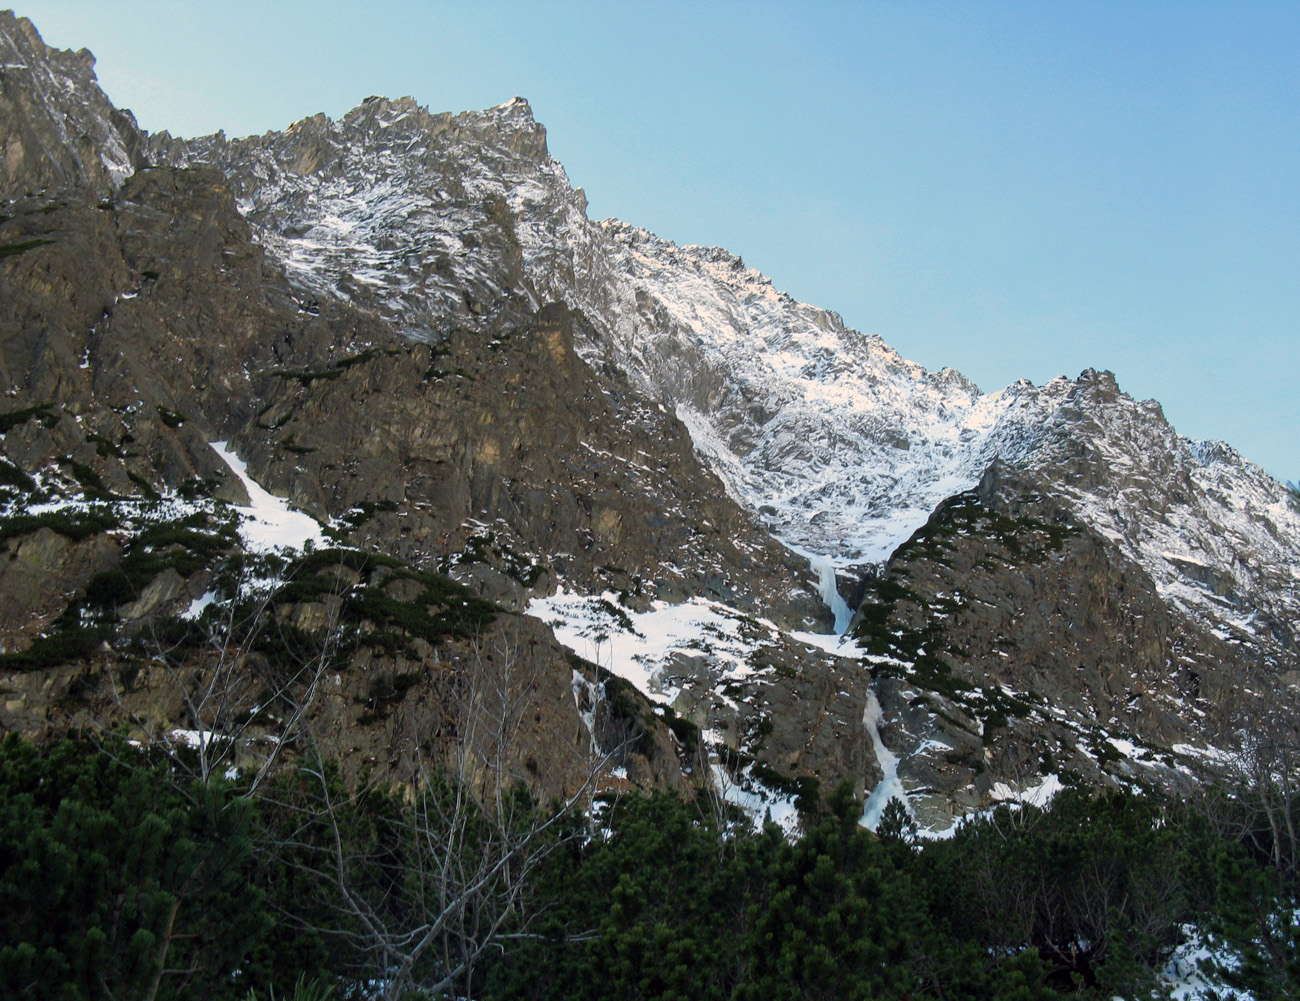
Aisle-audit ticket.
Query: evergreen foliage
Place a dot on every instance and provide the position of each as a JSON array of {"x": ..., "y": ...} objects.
[
  {"x": 1098, "y": 885},
  {"x": 120, "y": 876},
  {"x": 116, "y": 882}
]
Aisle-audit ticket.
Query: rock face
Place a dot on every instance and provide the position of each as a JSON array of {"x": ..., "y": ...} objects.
[
  {"x": 60, "y": 128},
  {"x": 141, "y": 322},
  {"x": 405, "y": 323},
  {"x": 1012, "y": 643}
]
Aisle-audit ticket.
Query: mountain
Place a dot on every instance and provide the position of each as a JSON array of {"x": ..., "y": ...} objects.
[{"x": 405, "y": 323}]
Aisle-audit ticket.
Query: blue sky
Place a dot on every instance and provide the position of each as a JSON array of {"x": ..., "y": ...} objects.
[{"x": 1018, "y": 190}]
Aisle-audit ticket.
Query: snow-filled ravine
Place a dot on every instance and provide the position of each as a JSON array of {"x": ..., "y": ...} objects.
[{"x": 268, "y": 523}]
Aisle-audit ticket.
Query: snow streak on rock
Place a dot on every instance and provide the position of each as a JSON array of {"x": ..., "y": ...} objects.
[{"x": 640, "y": 646}]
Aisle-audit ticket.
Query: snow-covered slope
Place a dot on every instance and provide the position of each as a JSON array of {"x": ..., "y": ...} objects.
[
  {"x": 393, "y": 208},
  {"x": 842, "y": 447},
  {"x": 845, "y": 448}
]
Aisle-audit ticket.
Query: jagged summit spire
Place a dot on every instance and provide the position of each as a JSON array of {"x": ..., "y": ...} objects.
[{"x": 58, "y": 127}]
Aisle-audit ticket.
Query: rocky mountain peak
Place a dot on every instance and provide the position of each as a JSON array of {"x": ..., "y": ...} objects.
[
  {"x": 840, "y": 445},
  {"x": 405, "y": 322},
  {"x": 58, "y": 127}
]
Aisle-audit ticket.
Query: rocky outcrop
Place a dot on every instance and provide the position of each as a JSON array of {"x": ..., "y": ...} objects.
[
  {"x": 508, "y": 433},
  {"x": 60, "y": 129},
  {"x": 40, "y": 572},
  {"x": 496, "y": 708},
  {"x": 1012, "y": 645}
]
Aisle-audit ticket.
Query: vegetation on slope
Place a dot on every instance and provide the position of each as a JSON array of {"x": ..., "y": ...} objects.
[{"x": 122, "y": 876}]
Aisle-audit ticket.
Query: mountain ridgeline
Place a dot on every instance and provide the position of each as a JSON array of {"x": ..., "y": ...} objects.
[{"x": 518, "y": 424}]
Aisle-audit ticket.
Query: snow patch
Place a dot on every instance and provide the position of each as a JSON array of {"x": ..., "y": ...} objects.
[
  {"x": 1040, "y": 795},
  {"x": 761, "y": 808},
  {"x": 268, "y": 522},
  {"x": 199, "y": 604}
]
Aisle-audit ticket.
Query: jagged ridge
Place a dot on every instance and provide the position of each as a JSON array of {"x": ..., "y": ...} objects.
[
  {"x": 842, "y": 447},
  {"x": 454, "y": 230}
]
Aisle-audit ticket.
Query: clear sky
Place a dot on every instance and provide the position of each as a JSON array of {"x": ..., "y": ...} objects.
[{"x": 1018, "y": 190}]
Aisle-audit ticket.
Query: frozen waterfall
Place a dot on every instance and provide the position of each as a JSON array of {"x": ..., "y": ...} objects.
[{"x": 824, "y": 567}]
